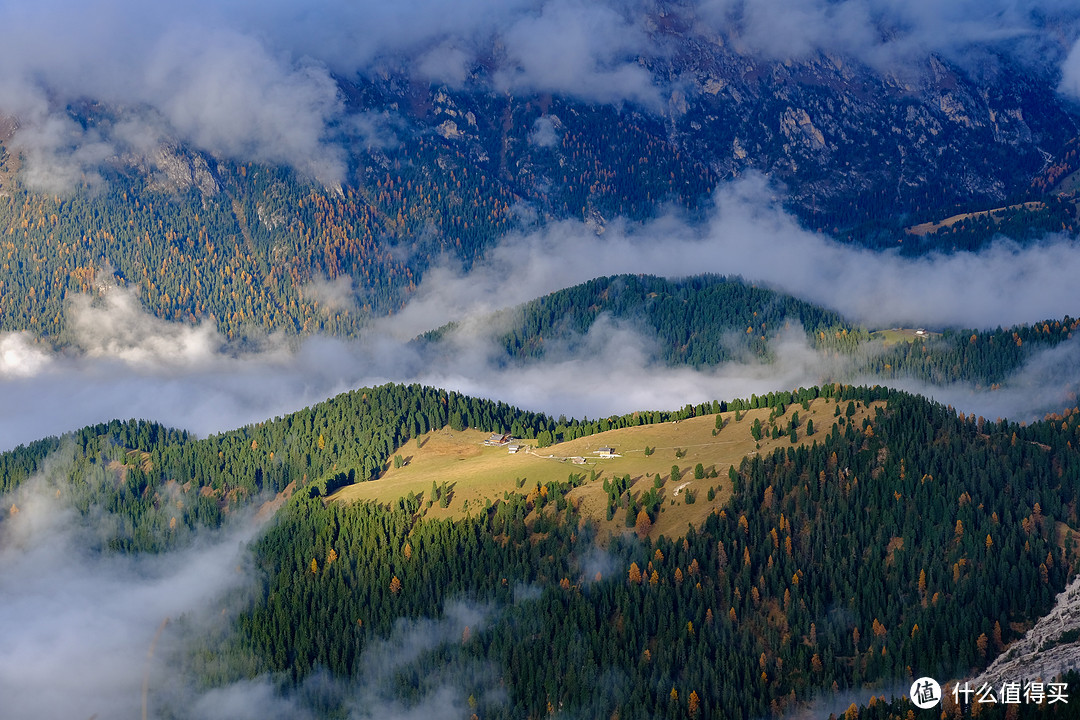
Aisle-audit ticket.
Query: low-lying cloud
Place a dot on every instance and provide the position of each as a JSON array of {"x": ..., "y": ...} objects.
[
  {"x": 125, "y": 363},
  {"x": 1048, "y": 382},
  {"x": 258, "y": 81},
  {"x": 77, "y": 624},
  {"x": 372, "y": 692},
  {"x": 88, "y": 633},
  {"x": 889, "y": 34},
  {"x": 749, "y": 234}
]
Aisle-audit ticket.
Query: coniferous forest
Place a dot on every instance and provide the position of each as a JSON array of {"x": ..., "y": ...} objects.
[
  {"x": 915, "y": 542},
  {"x": 711, "y": 320},
  {"x": 725, "y": 238}
]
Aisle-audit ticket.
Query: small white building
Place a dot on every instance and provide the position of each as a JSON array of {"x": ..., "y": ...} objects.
[
  {"x": 606, "y": 452},
  {"x": 514, "y": 448}
]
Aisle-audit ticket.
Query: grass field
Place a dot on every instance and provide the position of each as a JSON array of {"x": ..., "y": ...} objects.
[
  {"x": 932, "y": 227},
  {"x": 477, "y": 473}
]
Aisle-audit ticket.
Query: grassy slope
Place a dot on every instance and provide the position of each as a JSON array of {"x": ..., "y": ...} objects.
[{"x": 478, "y": 473}]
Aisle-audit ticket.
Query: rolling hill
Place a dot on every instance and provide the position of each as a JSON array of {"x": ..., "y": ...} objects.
[
  {"x": 434, "y": 169},
  {"x": 850, "y": 558},
  {"x": 708, "y": 321}
]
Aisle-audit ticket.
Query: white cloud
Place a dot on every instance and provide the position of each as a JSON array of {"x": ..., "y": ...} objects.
[
  {"x": 889, "y": 34},
  {"x": 129, "y": 364},
  {"x": 545, "y": 132},
  {"x": 119, "y": 329},
  {"x": 1070, "y": 73},
  {"x": 19, "y": 357},
  {"x": 77, "y": 624},
  {"x": 750, "y": 235},
  {"x": 585, "y": 50},
  {"x": 255, "y": 80},
  {"x": 336, "y": 294}
]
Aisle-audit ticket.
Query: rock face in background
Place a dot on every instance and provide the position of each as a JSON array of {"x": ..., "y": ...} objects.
[
  {"x": 848, "y": 144},
  {"x": 855, "y": 150},
  {"x": 180, "y": 171},
  {"x": 1047, "y": 650},
  {"x": 852, "y": 144}
]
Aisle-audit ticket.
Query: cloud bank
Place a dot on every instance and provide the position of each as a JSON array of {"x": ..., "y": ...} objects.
[
  {"x": 258, "y": 81},
  {"x": 77, "y": 624},
  {"x": 86, "y": 633},
  {"x": 126, "y": 363},
  {"x": 887, "y": 34},
  {"x": 749, "y": 234}
]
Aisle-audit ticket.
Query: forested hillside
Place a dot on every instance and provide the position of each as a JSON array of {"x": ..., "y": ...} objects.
[
  {"x": 982, "y": 357},
  {"x": 700, "y": 321},
  {"x": 258, "y": 247},
  {"x": 875, "y": 556},
  {"x": 432, "y": 171},
  {"x": 160, "y": 483},
  {"x": 710, "y": 320},
  {"x": 916, "y": 542}
]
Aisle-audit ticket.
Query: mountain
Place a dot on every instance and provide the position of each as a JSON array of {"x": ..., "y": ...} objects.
[
  {"x": 710, "y": 321},
  {"x": 858, "y": 148},
  {"x": 295, "y": 195},
  {"x": 901, "y": 540}
]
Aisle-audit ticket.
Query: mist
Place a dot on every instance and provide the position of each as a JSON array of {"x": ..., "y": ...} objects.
[
  {"x": 258, "y": 81},
  {"x": 1048, "y": 382},
  {"x": 77, "y": 626},
  {"x": 90, "y": 633},
  {"x": 126, "y": 363},
  {"x": 204, "y": 389},
  {"x": 749, "y": 234},
  {"x": 371, "y": 694}
]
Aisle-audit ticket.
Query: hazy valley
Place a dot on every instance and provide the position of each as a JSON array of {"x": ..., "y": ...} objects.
[{"x": 537, "y": 359}]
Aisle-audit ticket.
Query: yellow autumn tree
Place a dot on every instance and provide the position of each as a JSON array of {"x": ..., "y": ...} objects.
[{"x": 643, "y": 524}]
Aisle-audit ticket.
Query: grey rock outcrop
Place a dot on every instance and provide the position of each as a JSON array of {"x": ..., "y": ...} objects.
[{"x": 1047, "y": 650}]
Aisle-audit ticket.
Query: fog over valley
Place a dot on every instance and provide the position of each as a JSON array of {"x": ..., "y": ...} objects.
[
  {"x": 127, "y": 363},
  {"x": 514, "y": 224}
]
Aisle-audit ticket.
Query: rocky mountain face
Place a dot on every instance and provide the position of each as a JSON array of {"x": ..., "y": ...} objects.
[
  {"x": 857, "y": 151},
  {"x": 849, "y": 145},
  {"x": 852, "y": 144},
  {"x": 1047, "y": 650}
]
